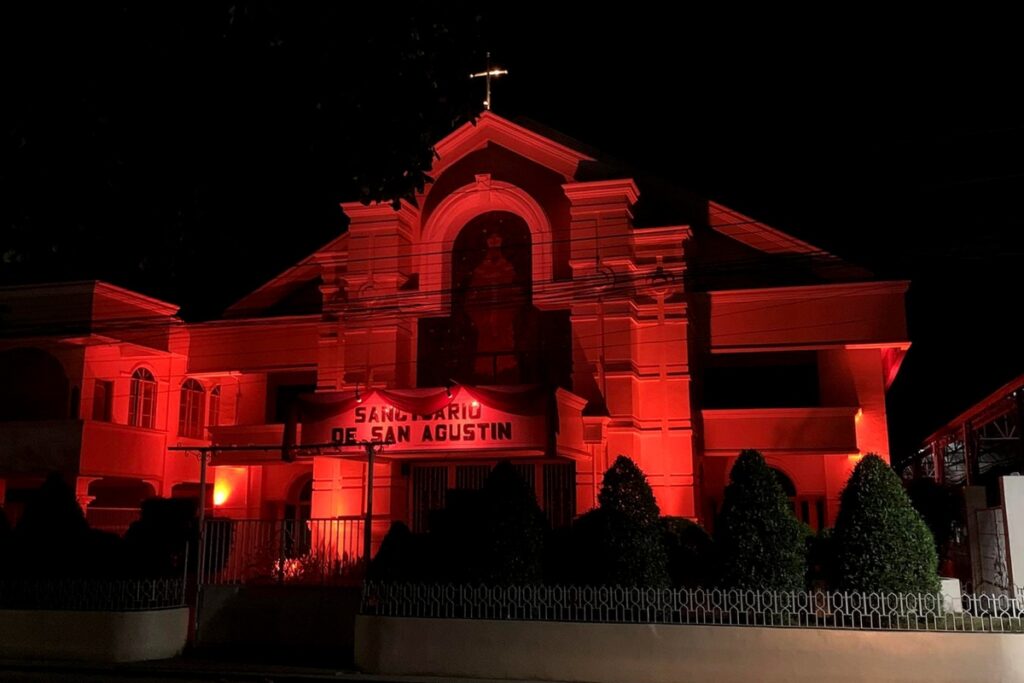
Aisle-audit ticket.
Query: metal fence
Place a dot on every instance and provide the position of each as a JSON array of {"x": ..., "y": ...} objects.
[
  {"x": 292, "y": 551},
  {"x": 116, "y": 595},
  {"x": 713, "y": 607}
]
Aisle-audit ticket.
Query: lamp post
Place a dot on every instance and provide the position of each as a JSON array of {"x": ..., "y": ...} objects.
[{"x": 372, "y": 448}]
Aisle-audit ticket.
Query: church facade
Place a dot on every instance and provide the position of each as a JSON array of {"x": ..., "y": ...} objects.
[{"x": 532, "y": 304}]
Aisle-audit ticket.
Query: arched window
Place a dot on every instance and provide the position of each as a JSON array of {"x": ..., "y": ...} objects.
[
  {"x": 142, "y": 399},
  {"x": 190, "y": 414},
  {"x": 808, "y": 508},
  {"x": 214, "y": 416}
]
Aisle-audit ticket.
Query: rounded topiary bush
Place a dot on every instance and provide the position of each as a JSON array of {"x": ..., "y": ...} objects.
[
  {"x": 881, "y": 542},
  {"x": 760, "y": 543},
  {"x": 620, "y": 542}
]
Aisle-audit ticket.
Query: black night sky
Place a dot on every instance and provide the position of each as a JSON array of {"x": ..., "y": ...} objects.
[{"x": 191, "y": 152}]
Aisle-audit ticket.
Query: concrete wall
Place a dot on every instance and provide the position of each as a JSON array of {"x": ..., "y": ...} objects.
[
  {"x": 93, "y": 636},
  {"x": 644, "y": 653}
]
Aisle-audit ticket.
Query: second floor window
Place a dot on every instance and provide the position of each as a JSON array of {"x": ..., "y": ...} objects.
[
  {"x": 190, "y": 415},
  {"x": 142, "y": 399},
  {"x": 214, "y": 415},
  {"x": 102, "y": 400}
]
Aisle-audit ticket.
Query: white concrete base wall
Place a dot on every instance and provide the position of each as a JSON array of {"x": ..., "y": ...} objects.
[
  {"x": 633, "y": 653},
  {"x": 93, "y": 636}
]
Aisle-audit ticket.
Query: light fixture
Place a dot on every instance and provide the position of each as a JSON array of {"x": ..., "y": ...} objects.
[
  {"x": 448, "y": 388},
  {"x": 359, "y": 399}
]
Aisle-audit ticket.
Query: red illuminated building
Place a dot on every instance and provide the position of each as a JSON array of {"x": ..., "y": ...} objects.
[{"x": 532, "y": 304}]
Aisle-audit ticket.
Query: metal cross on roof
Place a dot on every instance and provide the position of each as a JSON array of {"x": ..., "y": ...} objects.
[{"x": 489, "y": 73}]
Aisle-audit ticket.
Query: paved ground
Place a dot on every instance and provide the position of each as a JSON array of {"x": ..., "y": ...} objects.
[{"x": 194, "y": 670}]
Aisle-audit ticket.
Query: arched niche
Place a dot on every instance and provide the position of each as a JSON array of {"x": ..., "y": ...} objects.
[{"x": 456, "y": 211}]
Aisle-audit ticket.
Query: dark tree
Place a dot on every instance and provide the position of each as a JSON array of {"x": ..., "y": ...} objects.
[
  {"x": 624, "y": 489},
  {"x": 821, "y": 559},
  {"x": 881, "y": 542},
  {"x": 53, "y": 539},
  {"x": 165, "y": 536},
  {"x": 401, "y": 556},
  {"x": 455, "y": 538},
  {"x": 691, "y": 559},
  {"x": 514, "y": 528},
  {"x": 620, "y": 542},
  {"x": 760, "y": 543}
]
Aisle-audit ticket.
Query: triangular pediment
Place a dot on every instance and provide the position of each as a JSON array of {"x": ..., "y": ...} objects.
[{"x": 491, "y": 128}]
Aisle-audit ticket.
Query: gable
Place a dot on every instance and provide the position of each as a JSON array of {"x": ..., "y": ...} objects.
[{"x": 491, "y": 128}]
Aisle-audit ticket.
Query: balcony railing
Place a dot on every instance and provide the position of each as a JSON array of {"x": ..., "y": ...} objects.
[{"x": 781, "y": 430}]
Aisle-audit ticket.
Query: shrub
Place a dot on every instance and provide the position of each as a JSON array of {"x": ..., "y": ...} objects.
[
  {"x": 512, "y": 545},
  {"x": 882, "y": 544},
  {"x": 52, "y": 538},
  {"x": 157, "y": 541},
  {"x": 620, "y": 542},
  {"x": 690, "y": 552},
  {"x": 560, "y": 557},
  {"x": 760, "y": 543},
  {"x": 821, "y": 559},
  {"x": 401, "y": 556},
  {"x": 454, "y": 541},
  {"x": 624, "y": 489}
]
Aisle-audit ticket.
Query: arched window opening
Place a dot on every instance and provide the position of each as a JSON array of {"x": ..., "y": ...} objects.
[
  {"x": 190, "y": 413},
  {"x": 809, "y": 509},
  {"x": 214, "y": 416},
  {"x": 142, "y": 399}
]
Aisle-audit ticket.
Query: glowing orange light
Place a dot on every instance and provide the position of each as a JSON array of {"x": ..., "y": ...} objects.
[
  {"x": 475, "y": 403},
  {"x": 859, "y": 415},
  {"x": 220, "y": 495},
  {"x": 855, "y": 457}
]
